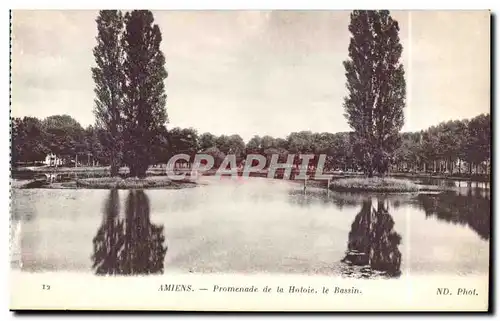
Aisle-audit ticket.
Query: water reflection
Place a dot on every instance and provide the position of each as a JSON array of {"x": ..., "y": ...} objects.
[
  {"x": 322, "y": 197},
  {"x": 109, "y": 240},
  {"x": 288, "y": 232},
  {"x": 471, "y": 208},
  {"x": 453, "y": 183},
  {"x": 132, "y": 245},
  {"x": 373, "y": 243}
]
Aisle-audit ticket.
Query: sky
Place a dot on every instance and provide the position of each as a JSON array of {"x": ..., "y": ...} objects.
[{"x": 256, "y": 72}]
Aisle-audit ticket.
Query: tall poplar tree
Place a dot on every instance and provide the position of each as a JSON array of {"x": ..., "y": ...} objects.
[
  {"x": 144, "y": 110},
  {"x": 377, "y": 88},
  {"x": 108, "y": 78}
]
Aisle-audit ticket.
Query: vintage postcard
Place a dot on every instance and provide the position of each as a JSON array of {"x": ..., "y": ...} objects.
[{"x": 250, "y": 160}]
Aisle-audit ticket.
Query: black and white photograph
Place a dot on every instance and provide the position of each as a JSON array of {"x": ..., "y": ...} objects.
[{"x": 352, "y": 147}]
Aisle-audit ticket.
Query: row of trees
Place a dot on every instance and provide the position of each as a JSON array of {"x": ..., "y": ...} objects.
[
  {"x": 375, "y": 80},
  {"x": 33, "y": 139},
  {"x": 448, "y": 146},
  {"x": 131, "y": 116}
]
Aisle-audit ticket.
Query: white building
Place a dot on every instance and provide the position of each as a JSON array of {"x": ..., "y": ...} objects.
[{"x": 53, "y": 160}]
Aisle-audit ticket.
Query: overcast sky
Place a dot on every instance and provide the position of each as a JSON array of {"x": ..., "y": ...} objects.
[{"x": 256, "y": 72}]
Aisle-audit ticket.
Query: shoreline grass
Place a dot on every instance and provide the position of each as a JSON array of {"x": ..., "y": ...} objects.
[
  {"x": 348, "y": 184},
  {"x": 379, "y": 184},
  {"x": 133, "y": 183}
]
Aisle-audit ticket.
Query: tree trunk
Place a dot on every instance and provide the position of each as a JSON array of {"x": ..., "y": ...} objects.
[
  {"x": 370, "y": 171},
  {"x": 113, "y": 169},
  {"x": 141, "y": 168}
]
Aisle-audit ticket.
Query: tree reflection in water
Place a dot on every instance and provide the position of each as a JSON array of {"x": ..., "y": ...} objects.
[
  {"x": 470, "y": 207},
  {"x": 131, "y": 245},
  {"x": 373, "y": 244},
  {"x": 317, "y": 197}
]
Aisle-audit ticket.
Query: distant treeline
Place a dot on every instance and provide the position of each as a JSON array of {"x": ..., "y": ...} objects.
[{"x": 450, "y": 146}]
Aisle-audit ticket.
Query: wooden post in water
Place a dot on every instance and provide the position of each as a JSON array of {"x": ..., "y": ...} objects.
[{"x": 369, "y": 233}]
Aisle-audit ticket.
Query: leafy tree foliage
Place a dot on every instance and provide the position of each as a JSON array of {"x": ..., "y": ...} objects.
[
  {"x": 184, "y": 141},
  {"x": 447, "y": 147},
  {"x": 144, "y": 112},
  {"x": 64, "y": 136},
  {"x": 28, "y": 140},
  {"x": 377, "y": 89},
  {"x": 207, "y": 140},
  {"x": 109, "y": 80}
]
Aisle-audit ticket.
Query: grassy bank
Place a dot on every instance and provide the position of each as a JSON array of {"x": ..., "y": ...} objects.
[
  {"x": 378, "y": 184},
  {"x": 133, "y": 183}
]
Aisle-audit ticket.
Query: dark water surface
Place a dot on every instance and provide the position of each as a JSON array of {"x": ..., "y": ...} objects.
[{"x": 257, "y": 225}]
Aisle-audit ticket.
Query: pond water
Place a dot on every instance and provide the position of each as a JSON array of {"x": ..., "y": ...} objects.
[{"x": 252, "y": 225}]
